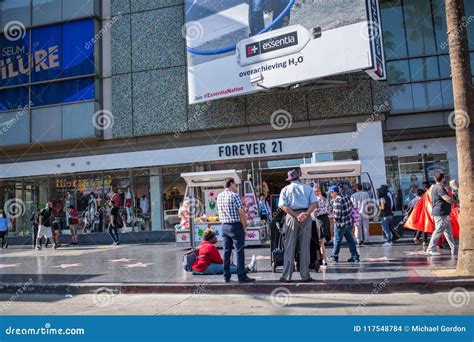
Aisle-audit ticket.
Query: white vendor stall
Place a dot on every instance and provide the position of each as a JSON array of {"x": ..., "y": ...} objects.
[{"x": 199, "y": 209}]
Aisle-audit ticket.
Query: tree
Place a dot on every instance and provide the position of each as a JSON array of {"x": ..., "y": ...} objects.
[{"x": 463, "y": 115}]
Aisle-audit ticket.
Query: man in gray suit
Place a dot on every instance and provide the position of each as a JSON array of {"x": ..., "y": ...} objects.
[{"x": 298, "y": 201}]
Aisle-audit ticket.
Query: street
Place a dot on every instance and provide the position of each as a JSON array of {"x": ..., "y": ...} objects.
[{"x": 282, "y": 303}]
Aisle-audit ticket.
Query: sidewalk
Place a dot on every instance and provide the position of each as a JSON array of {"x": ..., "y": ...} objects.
[{"x": 157, "y": 268}]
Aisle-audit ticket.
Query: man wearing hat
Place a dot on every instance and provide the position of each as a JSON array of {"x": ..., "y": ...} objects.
[
  {"x": 298, "y": 201},
  {"x": 343, "y": 223}
]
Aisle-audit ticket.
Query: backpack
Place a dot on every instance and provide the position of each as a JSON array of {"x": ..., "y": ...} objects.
[{"x": 189, "y": 258}]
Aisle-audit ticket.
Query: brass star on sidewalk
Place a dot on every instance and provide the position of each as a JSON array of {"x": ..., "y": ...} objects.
[
  {"x": 138, "y": 265},
  {"x": 121, "y": 260},
  {"x": 380, "y": 259},
  {"x": 416, "y": 253},
  {"x": 63, "y": 266},
  {"x": 8, "y": 265}
]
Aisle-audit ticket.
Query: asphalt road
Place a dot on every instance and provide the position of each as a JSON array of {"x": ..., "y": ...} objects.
[{"x": 282, "y": 303}]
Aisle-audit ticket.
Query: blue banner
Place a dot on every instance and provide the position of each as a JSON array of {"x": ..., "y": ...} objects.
[
  {"x": 57, "y": 51},
  {"x": 48, "y": 53},
  {"x": 238, "y": 329}
]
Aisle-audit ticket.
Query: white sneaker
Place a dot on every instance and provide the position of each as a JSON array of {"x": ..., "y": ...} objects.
[
  {"x": 388, "y": 244},
  {"x": 253, "y": 264},
  {"x": 433, "y": 253}
]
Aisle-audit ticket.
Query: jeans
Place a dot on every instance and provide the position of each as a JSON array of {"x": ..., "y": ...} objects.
[
  {"x": 216, "y": 269},
  {"x": 3, "y": 235},
  {"x": 386, "y": 224},
  {"x": 339, "y": 233},
  {"x": 233, "y": 235},
  {"x": 113, "y": 232},
  {"x": 35, "y": 234},
  {"x": 256, "y": 21}
]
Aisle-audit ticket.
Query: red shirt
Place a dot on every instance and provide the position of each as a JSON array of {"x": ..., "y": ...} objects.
[
  {"x": 73, "y": 216},
  {"x": 208, "y": 254}
]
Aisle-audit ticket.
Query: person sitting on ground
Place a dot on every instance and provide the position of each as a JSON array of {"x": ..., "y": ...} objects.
[{"x": 209, "y": 260}]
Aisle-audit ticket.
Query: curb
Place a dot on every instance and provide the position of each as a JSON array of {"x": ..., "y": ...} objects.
[{"x": 376, "y": 286}]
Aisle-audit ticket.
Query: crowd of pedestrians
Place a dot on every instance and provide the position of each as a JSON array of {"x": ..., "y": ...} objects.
[{"x": 308, "y": 214}]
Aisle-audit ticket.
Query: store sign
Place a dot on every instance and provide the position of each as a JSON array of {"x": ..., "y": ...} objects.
[
  {"x": 375, "y": 32},
  {"x": 250, "y": 149},
  {"x": 47, "y": 53},
  {"x": 237, "y": 47},
  {"x": 84, "y": 185}
]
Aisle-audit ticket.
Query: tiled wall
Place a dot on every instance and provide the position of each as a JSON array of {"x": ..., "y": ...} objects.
[{"x": 149, "y": 92}]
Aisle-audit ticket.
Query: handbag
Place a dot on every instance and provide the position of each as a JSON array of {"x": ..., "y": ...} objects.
[{"x": 189, "y": 258}]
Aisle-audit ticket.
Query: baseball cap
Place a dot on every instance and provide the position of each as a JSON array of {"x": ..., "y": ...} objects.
[{"x": 334, "y": 188}]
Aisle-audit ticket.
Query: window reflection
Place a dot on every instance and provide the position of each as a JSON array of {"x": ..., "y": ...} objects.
[
  {"x": 419, "y": 27},
  {"x": 393, "y": 29},
  {"x": 416, "y": 48},
  {"x": 18, "y": 10}
]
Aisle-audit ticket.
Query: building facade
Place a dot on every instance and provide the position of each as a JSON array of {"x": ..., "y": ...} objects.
[{"x": 109, "y": 111}]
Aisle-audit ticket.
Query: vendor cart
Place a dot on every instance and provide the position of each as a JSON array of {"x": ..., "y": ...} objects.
[
  {"x": 345, "y": 174},
  {"x": 199, "y": 208}
]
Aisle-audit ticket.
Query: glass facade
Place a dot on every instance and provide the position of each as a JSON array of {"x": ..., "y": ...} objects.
[
  {"x": 48, "y": 59},
  {"x": 148, "y": 198},
  {"x": 89, "y": 193},
  {"x": 416, "y": 50},
  {"x": 406, "y": 174}
]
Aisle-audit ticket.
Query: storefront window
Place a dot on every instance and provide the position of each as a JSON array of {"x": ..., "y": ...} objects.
[
  {"x": 89, "y": 193},
  {"x": 405, "y": 175},
  {"x": 173, "y": 188}
]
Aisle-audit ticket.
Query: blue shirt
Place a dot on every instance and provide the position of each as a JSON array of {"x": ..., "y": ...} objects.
[
  {"x": 228, "y": 205},
  {"x": 297, "y": 195},
  {"x": 3, "y": 224},
  {"x": 263, "y": 208}
]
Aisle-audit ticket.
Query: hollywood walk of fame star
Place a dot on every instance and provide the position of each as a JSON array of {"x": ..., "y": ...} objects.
[
  {"x": 138, "y": 265},
  {"x": 63, "y": 266},
  {"x": 380, "y": 259},
  {"x": 416, "y": 253},
  {"x": 8, "y": 265},
  {"x": 121, "y": 260}
]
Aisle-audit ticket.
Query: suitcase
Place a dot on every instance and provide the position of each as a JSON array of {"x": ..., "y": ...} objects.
[
  {"x": 315, "y": 253},
  {"x": 277, "y": 248}
]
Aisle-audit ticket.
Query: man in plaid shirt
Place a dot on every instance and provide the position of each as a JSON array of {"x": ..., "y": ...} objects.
[
  {"x": 234, "y": 224},
  {"x": 343, "y": 223}
]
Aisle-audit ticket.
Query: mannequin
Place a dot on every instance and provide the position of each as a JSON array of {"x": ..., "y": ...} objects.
[
  {"x": 67, "y": 203},
  {"x": 144, "y": 204},
  {"x": 92, "y": 210},
  {"x": 129, "y": 204}
]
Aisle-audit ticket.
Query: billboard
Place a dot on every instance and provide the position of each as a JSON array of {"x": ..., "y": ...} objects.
[
  {"x": 43, "y": 54},
  {"x": 236, "y": 47}
]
